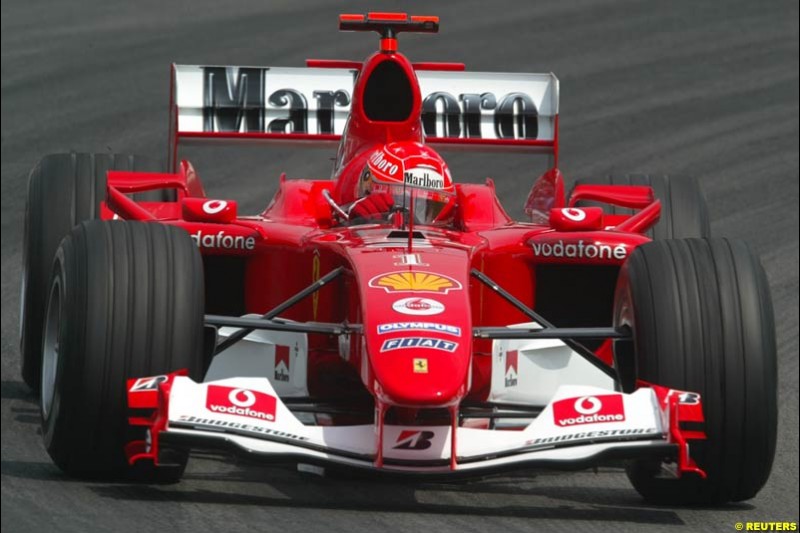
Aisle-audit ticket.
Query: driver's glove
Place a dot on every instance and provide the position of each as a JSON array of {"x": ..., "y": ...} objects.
[{"x": 373, "y": 205}]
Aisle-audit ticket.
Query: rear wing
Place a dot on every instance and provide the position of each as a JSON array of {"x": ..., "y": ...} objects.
[{"x": 311, "y": 105}]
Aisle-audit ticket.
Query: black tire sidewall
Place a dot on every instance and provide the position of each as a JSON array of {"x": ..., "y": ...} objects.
[{"x": 58, "y": 420}]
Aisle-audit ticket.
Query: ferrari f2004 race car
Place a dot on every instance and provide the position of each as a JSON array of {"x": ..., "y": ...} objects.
[{"x": 388, "y": 320}]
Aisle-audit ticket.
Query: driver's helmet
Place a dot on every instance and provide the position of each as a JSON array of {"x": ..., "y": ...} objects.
[{"x": 417, "y": 178}]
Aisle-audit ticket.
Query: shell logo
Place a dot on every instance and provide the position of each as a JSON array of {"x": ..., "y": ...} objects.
[{"x": 415, "y": 282}]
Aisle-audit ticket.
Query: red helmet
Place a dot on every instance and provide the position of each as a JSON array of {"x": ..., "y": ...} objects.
[{"x": 416, "y": 176}]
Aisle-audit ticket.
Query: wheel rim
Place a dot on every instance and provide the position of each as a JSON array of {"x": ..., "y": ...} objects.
[{"x": 50, "y": 347}]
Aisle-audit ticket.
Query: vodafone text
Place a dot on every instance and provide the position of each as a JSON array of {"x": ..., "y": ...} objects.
[
  {"x": 589, "y": 410},
  {"x": 240, "y": 402},
  {"x": 221, "y": 240},
  {"x": 579, "y": 250}
]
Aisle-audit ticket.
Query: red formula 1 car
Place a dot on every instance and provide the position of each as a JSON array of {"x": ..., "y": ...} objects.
[{"x": 387, "y": 319}]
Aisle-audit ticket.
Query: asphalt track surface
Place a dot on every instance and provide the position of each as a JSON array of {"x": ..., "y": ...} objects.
[{"x": 709, "y": 89}]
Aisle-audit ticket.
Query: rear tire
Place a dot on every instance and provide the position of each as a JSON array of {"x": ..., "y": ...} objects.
[
  {"x": 63, "y": 191},
  {"x": 125, "y": 301},
  {"x": 702, "y": 321},
  {"x": 684, "y": 213}
]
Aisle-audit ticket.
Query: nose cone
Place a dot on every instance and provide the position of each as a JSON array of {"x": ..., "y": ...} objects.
[
  {"x": 425, "y": 364},
  {"x": 417, "y": 325},
  {"x": 416, "y": 316}
]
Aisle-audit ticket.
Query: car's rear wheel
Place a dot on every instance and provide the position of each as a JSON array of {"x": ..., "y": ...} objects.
[
  {"x": 702, "y": 321},
  {"x": 684, "y": 213},
  {"x": 125, "y": 301},
  {"x": 63, "y": 191}
]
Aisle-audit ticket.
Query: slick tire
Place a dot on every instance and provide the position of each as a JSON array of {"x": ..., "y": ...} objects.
[
  {"x": 684, "y": 213},
  {"x": 702, "y": 321},
  {"x": 125, "y": 301},
  {"x": 63, "y": 191}
]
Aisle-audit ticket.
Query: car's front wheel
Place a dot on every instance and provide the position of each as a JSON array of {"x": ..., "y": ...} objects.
[
  {"x": 125, "y": 300},
  {"x": 702, "y": 321}
]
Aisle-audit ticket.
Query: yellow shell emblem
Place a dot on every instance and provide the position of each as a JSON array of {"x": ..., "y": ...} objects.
[{"x": 414, "y": 282}]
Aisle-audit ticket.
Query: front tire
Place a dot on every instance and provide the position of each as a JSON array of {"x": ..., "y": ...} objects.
[
  {"x": 701, "y": 317},
  {"x": 125, "y": 301}
]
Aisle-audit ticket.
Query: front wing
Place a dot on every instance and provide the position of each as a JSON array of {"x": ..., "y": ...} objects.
[{"x": 580, "y": 427}]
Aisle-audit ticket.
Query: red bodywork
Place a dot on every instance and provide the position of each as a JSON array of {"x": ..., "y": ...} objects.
[
  {"x": 295, "y": 241},
  {"x": 426, "y": 271}
]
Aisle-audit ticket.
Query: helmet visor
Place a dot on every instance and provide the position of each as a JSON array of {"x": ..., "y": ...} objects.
[{"x": 427, "y": 207}]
